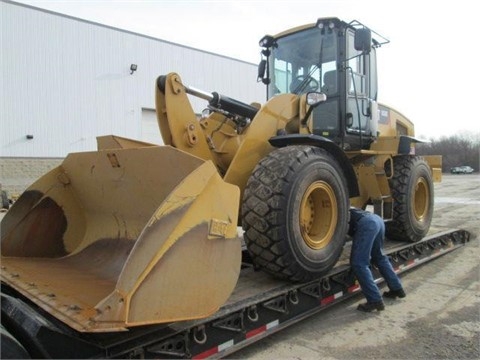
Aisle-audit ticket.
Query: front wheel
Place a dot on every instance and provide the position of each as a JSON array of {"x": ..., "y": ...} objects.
[
  {"x": 295, "y": 213},
  {"x": 412, "y": 190}
]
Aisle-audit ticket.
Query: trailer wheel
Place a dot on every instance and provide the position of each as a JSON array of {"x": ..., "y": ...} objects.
[
  {"x": 295, "y": 213},
  {"x": 412, "y": 190}
]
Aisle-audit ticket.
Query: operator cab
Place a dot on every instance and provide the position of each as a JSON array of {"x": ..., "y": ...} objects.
[{"x": 334, "y": 58}]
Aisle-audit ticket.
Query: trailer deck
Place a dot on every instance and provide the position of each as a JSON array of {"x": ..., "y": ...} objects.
[{"x": 259, "y": 306}]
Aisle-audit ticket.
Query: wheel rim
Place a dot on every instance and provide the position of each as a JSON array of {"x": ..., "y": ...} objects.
[
  {"x": 421, "y": 199},
  {"x": 318, "y": 215}
]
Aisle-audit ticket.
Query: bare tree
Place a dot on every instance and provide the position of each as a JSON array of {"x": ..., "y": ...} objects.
[{"x": 456, "y": 150}]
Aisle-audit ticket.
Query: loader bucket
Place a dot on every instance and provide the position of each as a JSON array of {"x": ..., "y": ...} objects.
[{"x": 124, "y": 237}]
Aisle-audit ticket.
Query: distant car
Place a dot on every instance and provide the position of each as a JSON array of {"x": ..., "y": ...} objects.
[{"x": 461, "y": 170}]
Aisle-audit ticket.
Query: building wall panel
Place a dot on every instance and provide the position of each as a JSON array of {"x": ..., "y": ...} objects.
[{"x": 66, "y": 81}]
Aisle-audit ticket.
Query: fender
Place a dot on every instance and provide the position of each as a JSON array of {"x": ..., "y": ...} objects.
[
  {"x": 326, "y": 144},
  {"x": 405, "y": 144}
]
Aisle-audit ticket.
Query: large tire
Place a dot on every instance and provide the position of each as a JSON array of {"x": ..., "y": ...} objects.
[
  {"x": 412, "y": 191},
  {"x": 295, "y": 213}
]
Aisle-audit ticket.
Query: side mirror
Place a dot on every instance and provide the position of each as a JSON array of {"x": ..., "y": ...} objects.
[
  {"x": 261, "y": 70},
  {"x": 363, "y": 40}
]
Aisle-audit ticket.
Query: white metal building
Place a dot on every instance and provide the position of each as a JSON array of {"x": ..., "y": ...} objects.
[{"x": 65, "y": 81}]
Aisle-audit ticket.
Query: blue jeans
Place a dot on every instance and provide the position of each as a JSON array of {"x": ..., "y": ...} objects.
[{"x": 367, "y": 246}]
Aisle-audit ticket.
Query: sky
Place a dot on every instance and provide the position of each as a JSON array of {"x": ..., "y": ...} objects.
[{"x": 427, "y": 72}]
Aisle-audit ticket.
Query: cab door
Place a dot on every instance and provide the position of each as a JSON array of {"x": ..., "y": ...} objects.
[{"x": 361, "y": 117}]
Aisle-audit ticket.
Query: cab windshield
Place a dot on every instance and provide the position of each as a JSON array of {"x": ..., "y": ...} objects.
[{"x": 303, "y": 62}]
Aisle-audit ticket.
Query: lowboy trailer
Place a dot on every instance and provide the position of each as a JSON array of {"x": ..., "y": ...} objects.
[{"x": 259, "y": 306}]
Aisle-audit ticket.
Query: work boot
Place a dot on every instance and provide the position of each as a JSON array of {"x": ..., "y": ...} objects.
[
  {"x": 393, "y": 294},
  {"x": 369, "y": 307}
]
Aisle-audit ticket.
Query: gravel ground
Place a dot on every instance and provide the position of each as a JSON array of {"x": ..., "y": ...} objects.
[{"x": 439, "y": 318}]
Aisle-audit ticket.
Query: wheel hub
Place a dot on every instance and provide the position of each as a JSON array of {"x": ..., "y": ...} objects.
[
  {"x": 318, "y": 215},
  {"x": 421, "y": 199}
]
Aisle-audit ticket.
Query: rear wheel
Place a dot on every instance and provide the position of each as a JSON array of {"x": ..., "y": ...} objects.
[
  {"x": 412, "y": 190},
  {"x": 295, "y": 213}
]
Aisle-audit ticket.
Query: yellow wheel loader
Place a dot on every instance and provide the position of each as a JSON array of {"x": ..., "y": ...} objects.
[{"x": 136, "y": 234}]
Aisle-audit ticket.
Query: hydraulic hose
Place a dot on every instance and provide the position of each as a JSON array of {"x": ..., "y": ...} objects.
[{"x": 216, "y": 100}]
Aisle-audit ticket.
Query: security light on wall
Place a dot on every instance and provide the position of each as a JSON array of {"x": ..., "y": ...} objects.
[{"x": 133, "y": 68}]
